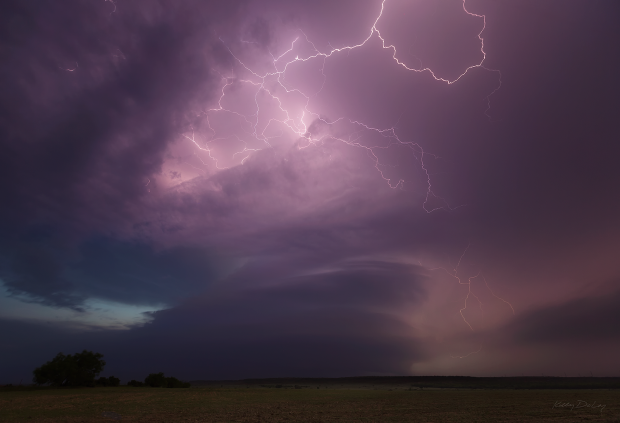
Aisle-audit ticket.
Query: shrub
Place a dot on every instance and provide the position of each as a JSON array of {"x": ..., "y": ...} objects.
[{"x": 79, "y": 369}]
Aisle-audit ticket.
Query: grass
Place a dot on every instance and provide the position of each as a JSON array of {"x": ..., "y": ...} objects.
[{"x": 260, "y": 404}]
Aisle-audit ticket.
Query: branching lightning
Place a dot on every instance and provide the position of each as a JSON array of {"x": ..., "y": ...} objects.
[
  {"x": 261, "y": 84},
  {"x": 269, "y": 84},
  {"x": 499, "y": 298},
  {"x": 455, "y": 274}
]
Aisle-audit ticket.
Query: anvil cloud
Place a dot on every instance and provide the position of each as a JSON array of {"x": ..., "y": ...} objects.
[{"x": 169, "y": 184}]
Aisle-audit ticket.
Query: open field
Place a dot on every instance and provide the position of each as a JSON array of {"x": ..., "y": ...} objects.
[
  {"x": 425, "y": 382},
  {"x": 305, "y": 404}
]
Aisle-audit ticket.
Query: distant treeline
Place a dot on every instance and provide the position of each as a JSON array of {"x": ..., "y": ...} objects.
[
  {"x": 158, "y": 380},
  {"x": 82, "y": 369},
  {"x": 429, "y": 382}
]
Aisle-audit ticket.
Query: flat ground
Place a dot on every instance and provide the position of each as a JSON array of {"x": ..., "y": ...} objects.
[{"x": 306, "y": 404}]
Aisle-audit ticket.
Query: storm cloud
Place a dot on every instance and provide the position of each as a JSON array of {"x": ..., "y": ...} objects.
[{"x": 278, "y": 188}]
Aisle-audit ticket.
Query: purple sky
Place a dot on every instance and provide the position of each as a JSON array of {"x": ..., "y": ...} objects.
[{"x": 234, "y": 189}]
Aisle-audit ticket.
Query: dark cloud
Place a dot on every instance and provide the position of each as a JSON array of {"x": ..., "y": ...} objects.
[
  {"x": 145, "y": 160},
  {"x": 134, "y": 273},
  {"x": 122, "y": 271},
  {"x": 264, "y": 321},
  {"x": 81, "y": 140},
  {"x": 38, "y": 273},
  {"x": 286, "y": 325},
  {"x": 84, "y": 142},
  {"x": 575, "y": 322}
]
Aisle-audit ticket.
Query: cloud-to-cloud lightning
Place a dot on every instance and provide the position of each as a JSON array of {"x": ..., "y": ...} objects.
[
  {"x": 269, "y": 83},
  {"x": 243, "y": 103},
  {"x": 290, "y": 186}
]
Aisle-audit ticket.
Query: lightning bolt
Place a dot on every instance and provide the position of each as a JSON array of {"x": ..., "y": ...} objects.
[
  {"x": 467, "y": 355},
  {"x": 499, "y": 298},
  {"x": 448, "y": 81},
  {"x": 454, "y": 272},
  {"x": 270, "y": 85},
  {"x": 261, "y": 84},
  {"x": 264, "y": 83}
]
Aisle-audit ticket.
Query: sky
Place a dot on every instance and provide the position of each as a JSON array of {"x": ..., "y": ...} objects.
[{"x": 288, "y": 188}]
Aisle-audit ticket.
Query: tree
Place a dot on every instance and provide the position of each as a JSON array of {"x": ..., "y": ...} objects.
[
  {"x": 79, "y": 369},
  {"x": 155, "y": 380}
]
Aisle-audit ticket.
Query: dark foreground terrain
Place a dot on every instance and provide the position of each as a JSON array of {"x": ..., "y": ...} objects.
[
  {"x": 424, "y": 382},
  {"x": 298, "y": 400}
]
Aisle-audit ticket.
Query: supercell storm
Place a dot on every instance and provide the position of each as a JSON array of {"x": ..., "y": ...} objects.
[{"x": 310, "y": 188}]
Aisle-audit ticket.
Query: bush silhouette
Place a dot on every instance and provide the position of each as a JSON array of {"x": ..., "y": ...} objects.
[
  {"x": 79, "y": 369},
  {"x": 158, "y": 380},
  {"x": 173, "y": 382}
]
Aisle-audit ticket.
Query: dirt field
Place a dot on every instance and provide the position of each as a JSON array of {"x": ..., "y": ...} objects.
[{"x": 269, "y": 404}]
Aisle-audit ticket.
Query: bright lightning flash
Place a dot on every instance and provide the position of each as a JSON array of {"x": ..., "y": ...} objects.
[
  {"x": 255, "y": 107},
  {"x": 271, "y": 101},
  {"x": 257, "y": 101}
]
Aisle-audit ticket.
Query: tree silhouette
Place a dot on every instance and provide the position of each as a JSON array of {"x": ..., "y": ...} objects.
[
  {"x": 79, "y": 369},
  {"x": 155, "y": 380}
]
